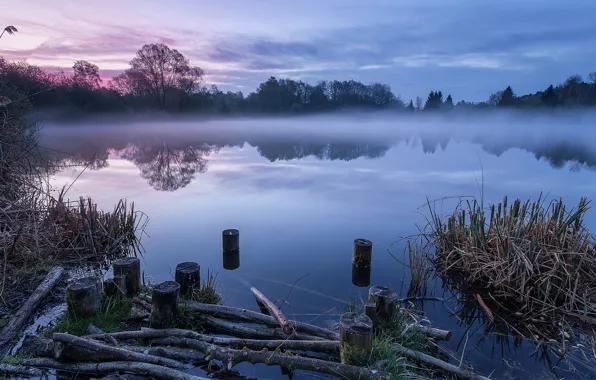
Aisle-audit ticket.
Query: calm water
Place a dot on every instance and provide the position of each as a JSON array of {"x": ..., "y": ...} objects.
[{"x": 300, "y": 191}]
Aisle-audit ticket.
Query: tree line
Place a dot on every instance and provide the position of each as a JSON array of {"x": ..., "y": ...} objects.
[{"x": 161, "y": 78}]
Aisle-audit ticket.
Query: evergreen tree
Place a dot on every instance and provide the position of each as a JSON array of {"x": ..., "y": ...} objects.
[
  {"x": 434, "y": 100},
  {"x": 448, "y": 102},
  {"x": 508, "y": 98},
  {"x": 410, "y": 107},
  {"x": 550, "y": 97}
]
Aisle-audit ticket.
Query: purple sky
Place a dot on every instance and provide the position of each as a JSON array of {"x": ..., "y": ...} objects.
[{"x": 468, "y": 48}]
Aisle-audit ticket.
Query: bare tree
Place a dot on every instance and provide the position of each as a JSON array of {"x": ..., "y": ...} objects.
[
  {"x": 592, "y": 78},
  {"x": 86, "y": 74},
  {"x": 418, "y": 103}
]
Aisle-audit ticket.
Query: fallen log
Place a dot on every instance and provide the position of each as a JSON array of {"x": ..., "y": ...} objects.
[
  {"x": 159, "y": 372},
  {"x": 274, "y": 311},
  {"x": 24, "y": 313},
  {"x": 20, "y": 370},
  {"x": 228, "y": 312},
  {"x": 104, "y": 352},
  {"x": 434, "y": 332},
  {"x": 142, "y": 303},
  {"x": 175, "y": 353},
  {"x": 244, "y": 331}
]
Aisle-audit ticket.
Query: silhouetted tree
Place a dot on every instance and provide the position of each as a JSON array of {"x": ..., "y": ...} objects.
[
  {"x": 550, "y": 97},
  {"x": 448, "y": 102},
  {"x": 86, "y": 74},
  {"x": 507, "y": 98},
  {"x": 434, "y": 100},
  {"x": 418, "y": 103},
  {"x": 410, "y": 107}
]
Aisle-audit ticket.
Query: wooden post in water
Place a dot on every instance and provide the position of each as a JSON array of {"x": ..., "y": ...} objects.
[
  {"x": 115, "y": 287},
  {"x": 188, "y": 275},
  {"x": 130, "y": 268},
  {"x": 385, "y": 299},
  {"x": 164, "y": 309},
  {"x": 362, "y": 255},
  {"x": 355, "y": 338},
  {"x": 231, "y": 260},
  {"x": 360, "y": 275},
  {"x": 230, "y": 240},
  {"x": 370, "y": 310},
  {"x": 83, "y": 297}
]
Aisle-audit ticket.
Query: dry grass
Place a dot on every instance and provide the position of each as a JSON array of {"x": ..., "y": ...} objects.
[{"x": 535, "y": 261}]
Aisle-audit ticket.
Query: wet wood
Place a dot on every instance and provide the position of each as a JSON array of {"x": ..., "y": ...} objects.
[
  {"x": 246, "y": 331},
  {"x": 370, "y": 310},
  {"x": 355, "y": 335},
  {"x": 83, "y": 297},
  {"x": 286, "y": 325},
  {"x": 26, "y": 311},
  {"x": 9, "y": 369},
  {"x": 115, "y": 287},
  {"x": 130, "y": 268},
  {"x": 362, "y": 254},
  {"x": 188, "y": 275},
  {"x": 156, "y": 371},
  {"x": 164, "y": 305},
  {"x": 385, "y": 299},
  {"x": 104, "y": 352},
  {"x": 230, "y": 240}
]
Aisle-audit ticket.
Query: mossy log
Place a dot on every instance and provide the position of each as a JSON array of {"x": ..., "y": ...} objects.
[
  {"x": 164, "y": 301},
  {"x": 355, "y": 337},
  {"x": 385, "y": 299},
  {"x": 130, "y": 268},
  {"x": 83, "y": 297},
  {"x": 188, "y": 275},
  {"x": 362, "y": 254}
]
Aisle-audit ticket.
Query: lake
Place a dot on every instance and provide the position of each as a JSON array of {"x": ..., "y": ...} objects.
[{"x": 300, "y": 191}]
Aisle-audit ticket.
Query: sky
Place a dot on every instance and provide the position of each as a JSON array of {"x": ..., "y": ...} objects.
[{"x": 467, "y": 48}]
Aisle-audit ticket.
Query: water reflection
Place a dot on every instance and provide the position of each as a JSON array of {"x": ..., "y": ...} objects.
[
  {"x": 361, "y": 275},
  {"x": 231, "y": 260}
]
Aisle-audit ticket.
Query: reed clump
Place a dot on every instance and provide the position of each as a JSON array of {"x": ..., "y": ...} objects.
[{"x": 534, "y": 259}]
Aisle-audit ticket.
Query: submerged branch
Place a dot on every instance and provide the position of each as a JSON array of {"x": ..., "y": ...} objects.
[{"x": 286, "y": 325}]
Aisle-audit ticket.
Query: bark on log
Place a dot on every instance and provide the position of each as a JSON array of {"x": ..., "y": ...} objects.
[
  {"x": 142, "y": 304},
  {"x": 146, "y": 369},
  {"x": 24, "y": 313},
  {"x": 130, "y": 268},
  {"x": 286, "y": 325},
  {"x": 439, "y": 364},
  {"x": 362, "y": 255},
  {"x": 115, "y": 287},
  {"x": 164, "y": 310},
  {"x": 47, "y": 348},
  {"x": 360, "y": 275},
  {"x": 231, "y": 260},
  {"x": 434, "y": 333},
  {"x": 244, "y": 331},
  {"x": 83, "y": 297},
  {"x": 188, "y": 275},
  {"x": 230, "y": 240},
  {"x": 385, "y": 298},
  {"x": 228, "y": 312},
  {"x": 104, "y": 352},
  {"x": 370, "y": 310},
  {"x": 355, "y": 337},
  {"x": 20, "y": 370},
  {"x": 175, "y": 353}
]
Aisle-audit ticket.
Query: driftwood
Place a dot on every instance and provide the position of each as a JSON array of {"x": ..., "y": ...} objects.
[
  {"x": 146, "y": 369},
  {"x": 104, "y": 352},
  {"x": 274, "y": 311},
  {"x": 244, "y": 331},
  {"x": 228, "y": 312},
  {"x": 22, "y": 316},
  {"x": 434, "y": 333},
  {"x": 20, "y": 370}
]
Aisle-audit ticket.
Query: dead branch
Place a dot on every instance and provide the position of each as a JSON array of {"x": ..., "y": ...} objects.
[
  {"x": 434, "y": 333},
  {"x": 285, "y": 324},
  {"x": 244, "y": 331},
  {"x": 20, "y": 370}
]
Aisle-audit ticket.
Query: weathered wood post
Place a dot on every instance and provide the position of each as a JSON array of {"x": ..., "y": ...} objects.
[
  {"x": 230, "y": 240},
  {"x": 83, "y": 297},
  {"x": 355, "y": 338},
  {"x": 115, "y": 287},
  {"x": 362, "y": 255},
  {"x": 164, "y": 309},
  {"x": 188, "y": 275},
  {"x": 385, "y": 299},
  {"x": 370, "y": 310},
  {"x": 231, "y": 260},
  {"x": 360, "y": 275},
  {"x": 130, "y": 268}
]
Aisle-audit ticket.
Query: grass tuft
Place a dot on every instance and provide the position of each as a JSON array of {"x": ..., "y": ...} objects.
[{"x": 207, "y": 292}]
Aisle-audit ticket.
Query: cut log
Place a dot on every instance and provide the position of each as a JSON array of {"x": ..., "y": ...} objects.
[
  {"x": 19, "y": 370},
  {"x": 355, "y": 338},
  {"x": 115, "y": 287},
  {"x": 362, "y": 255},
  {"x": 385, "y": 299},
  {"x": 83, "y": 297},
  {"x": 361, "y": 275},
  {"x": 370, "y": 310},
  {"x": 286, "y": 325},
  {"x": 242, "y": 330},
  {"x": 24, "y": 313},
  {"x": 130, "y": 268},
  {"x": 231, "y": 260},
  {"x": 146, "y": 369},
  {"x": 104, "y": 352},
  {"x": 188, "y": 275},
  {"x": 230, "y": 240},
  {"x": 164, "y": 304},
  {"x": 234, "y": 313}
]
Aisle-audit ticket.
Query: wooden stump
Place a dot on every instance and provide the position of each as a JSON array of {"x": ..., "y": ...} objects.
[
  {"x": 129, "y": 267},
  {"x": 164, "y": 308},
  {"x": 361, "y": 275},
  {"x": 83, "y": 297},
  {"x": 115, "y": 287},
  {"x": 362, "y": 255},
  {"x": 231, "y": 260},
  {"x": 188, "y": 275},
  {"x": 370, "y": 310},
  {"x": 230, "y": 240},
  {"x": 385, "y": 299},
  {"x": 355, "y": 338}
]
